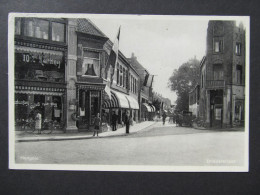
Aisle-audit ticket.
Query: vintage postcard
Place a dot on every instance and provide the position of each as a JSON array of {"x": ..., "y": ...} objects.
[{"x": 96, "y": 92}]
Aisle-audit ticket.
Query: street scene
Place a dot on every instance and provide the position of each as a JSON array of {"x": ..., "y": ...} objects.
[
  {"x": 156, "y": 144},
  {"x": 129, "y": 90}
]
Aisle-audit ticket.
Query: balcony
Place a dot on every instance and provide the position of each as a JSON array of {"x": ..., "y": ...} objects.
[{"x": 215, "y": 84}]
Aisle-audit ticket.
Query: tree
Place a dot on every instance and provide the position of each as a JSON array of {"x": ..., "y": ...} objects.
[{"x": 183, "y": 81}]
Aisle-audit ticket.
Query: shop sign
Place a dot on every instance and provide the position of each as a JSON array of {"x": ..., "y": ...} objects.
[
  {"x": 95, "y": 94},
  {"x": 33, "y": 105},
  {"x": 39, "y": 58}
]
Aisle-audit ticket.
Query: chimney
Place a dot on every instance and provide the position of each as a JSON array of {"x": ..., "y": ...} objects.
[{"x": 133, "y": 56}]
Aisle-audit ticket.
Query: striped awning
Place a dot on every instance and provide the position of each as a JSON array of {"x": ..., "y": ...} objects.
[
  {"x": 133, "y": 102},
  {"x": 118, "y": 100},
  {"x": 153, "y": 108},
  {"x": 146, "y": 107}
]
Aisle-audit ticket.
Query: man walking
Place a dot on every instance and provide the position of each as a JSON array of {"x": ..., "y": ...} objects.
[
  {"x": 114, "y": 121},
  {"x": 127, "y": 122},
  {"x": 164, "y": 117}
]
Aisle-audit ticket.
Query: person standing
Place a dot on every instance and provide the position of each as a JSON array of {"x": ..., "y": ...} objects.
[
  {"x": 164, "y": 117},
  {"x": 38, "y": 122},
  {"x": 127, "y": 122},
  {"x": 114, "y": 121},
  {"x": 97, "y": 123}
]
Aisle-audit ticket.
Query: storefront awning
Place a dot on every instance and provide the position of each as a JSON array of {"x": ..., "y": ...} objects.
[
  {"x": 36, "y": 50},
  {"x": 118, "y": 100},
  {"x": 153, "y": 108},
  {"x": 146, "y": 107},
  {"x": 133, "y": 102}
]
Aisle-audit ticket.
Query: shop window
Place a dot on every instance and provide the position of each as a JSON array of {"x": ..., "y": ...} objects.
[
  {"x": 239, "y": 74},
  {"x": 21, "y": 107},
  {"x": 218, "y": 45},
  {"x": 37, "y": 28},
  {"x": 58, "y": 31},
  {"x": 91, "y": 65},
  {"x": 218, "y": 72},
  {"x": 238, "y": 49}
]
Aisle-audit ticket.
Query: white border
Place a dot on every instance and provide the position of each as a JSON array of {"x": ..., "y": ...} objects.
[{"x": 75, "y": 167}]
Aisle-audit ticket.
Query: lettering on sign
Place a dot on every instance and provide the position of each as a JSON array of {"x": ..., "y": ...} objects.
[{"x": 41, "y": 58}]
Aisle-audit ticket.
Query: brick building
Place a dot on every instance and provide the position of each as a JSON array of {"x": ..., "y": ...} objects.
[{"x": 222, "y": 89}]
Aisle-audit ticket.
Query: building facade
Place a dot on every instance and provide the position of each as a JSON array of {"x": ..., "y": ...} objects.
[
  {"x": 60, "y": 71},
  {"x": 147, "y": 110},
  {"x": 124, "y": 90},
  {"x": 222, "y": 89},
  {"x": 40, "y": 70}
]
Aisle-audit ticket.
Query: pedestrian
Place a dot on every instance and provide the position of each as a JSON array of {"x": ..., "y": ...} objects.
[
  {"x": 114, "y": 121},
  {"x": 38, "y": 122},
  {"x": 127, "y": 122},
  {"x": 97, "y": 122},
  {"x": 164, "y": 117}
]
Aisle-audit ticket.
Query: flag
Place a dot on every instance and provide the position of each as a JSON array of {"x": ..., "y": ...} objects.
[
  {"x": 148, "y": 80},
  {"x": 111, "y": 64},
  {"x": 112, "y": 60},
  {"x": 107, "y": 88}
]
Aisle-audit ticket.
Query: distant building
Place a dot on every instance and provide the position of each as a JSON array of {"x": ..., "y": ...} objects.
[
  {"x": 222, "y": 89},
  {"x": 147, "y": 110}
]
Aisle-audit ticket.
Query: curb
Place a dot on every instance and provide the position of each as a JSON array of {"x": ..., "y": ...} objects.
[{"x": 78, "y": 138}]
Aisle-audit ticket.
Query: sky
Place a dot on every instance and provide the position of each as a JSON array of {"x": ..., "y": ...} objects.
[{"x": 160, "y": 43}]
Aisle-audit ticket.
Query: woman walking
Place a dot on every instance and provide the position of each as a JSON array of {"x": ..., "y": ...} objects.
[
  {"x": 97, "y": 122},
  {"x": 38, "y": 122}
]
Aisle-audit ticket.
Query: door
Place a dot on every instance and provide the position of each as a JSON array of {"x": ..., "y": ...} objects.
[{"x": 217, "y": 116}]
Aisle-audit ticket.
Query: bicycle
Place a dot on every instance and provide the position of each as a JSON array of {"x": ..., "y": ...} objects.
[
  {"x": 29, "y": 126},
  {"x": 199, "y": 122}
]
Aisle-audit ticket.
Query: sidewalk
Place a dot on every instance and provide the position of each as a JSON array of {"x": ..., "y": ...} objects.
[{"x": 59, "y": 136}]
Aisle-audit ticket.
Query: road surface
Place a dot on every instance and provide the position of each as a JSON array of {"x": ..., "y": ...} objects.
[{"x": 157, "y": 145}]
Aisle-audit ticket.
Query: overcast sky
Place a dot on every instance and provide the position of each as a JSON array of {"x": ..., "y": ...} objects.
[{"x": 160, "y": 43}]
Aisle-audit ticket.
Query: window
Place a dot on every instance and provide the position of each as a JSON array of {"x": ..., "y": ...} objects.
[
  {"x": 218, "y": 45},
  {"x": 17, "y": 26},
  {"x": 40, "y": 29},
  {"x": 91, "y": 65},
  {"x": 37, "y": 28},
  {"x": 58, "y": 31},
  {"x": 218, "y": 72},
  {"x": 117, "y": 74},
  {"x": 121, "y": 76},
  {"x": 239, "y": 74},
  {"x": 135, "y": 86},
  {"x": 238, "y": 49}
]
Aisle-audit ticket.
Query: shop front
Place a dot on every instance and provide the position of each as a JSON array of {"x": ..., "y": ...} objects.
[
  {"x": 89, "y": 105},
  {"x": 49, "y": 102},
  {"x": 119, "y": 104},
  {"x": 39, "y": 85},
  {"x": 146, "y": 112},
  {"x": 134, "y": 106}
]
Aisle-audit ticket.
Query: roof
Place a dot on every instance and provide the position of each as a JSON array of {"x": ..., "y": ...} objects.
[
  {"x": 86, "y": 26},
  {"x": 134, "y": 62}
]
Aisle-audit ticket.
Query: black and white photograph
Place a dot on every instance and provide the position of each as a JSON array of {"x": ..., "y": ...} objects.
[{"x": 115, "y": 92}]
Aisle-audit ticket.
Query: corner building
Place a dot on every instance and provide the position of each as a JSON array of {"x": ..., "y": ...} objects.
[
  {"x": 40, "y": 61},
  {"x": 222, "y": 89}
]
